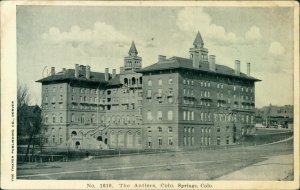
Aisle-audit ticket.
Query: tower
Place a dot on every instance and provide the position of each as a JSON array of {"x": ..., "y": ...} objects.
[
  {"x": 132, "y": 62},
  {"x": 198, "y": 53}
]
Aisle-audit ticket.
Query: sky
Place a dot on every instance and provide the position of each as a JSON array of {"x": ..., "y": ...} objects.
[{"x": 99, "y": 36}]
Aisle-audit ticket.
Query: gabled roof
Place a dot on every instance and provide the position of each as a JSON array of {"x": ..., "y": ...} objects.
[
  {"x": 198, "y": 42},
  {"x": 69, "y": 74},
  {"x": 133, "y": 50},
  {"x": 184, "y": 63}
]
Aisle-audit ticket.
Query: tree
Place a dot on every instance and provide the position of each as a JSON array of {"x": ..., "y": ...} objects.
[{"x": 29, "y": 119}]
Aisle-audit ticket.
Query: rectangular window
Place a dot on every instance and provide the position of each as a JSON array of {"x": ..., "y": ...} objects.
[
  {"x": 218, "y": 140},
  {"x": 159, "y": 92},
  {"x": 170, "y": 140},
  {"x": 184, "y": 115},
  {"x": 159, "y": 141},
  {"x": 170, "y": 129},
  {"x": 170, "y": 115},
  {"x": 188, "y": 115},
  {"x": 149, "y": 93},
  {"x": 159, "y": 115},
  {"x": 192, "y": 116}
]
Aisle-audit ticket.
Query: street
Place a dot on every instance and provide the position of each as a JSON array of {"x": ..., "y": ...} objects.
[{"x": 186, "y": 165}]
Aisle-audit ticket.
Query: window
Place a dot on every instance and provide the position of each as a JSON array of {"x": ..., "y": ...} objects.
[
  {"x": 82, "y": 120},
  {"x": 170, "y": 115},
  {"x": 46, "y": 99},
  {"x": 170, "y": 129},
  {"x": 234, "y": 88},
  {"x": 149, "y": 115},
  {"x": 53, "y": 139},
  {"x": 53, "y": 99},
  {"x": 184, "y": 81},
  {"x": 149, "y": 93},
  {"x": 159, "y": 92},
  {"x": 170, "y": 140},
  {"x": 159, "y": 82},
  {"x": 218, "y": 129},
  {"x": 159, "y": 129},
  {"x": 72, "y": 117},
  {"x": 227, "y": 140},
  {"x": 54, "y": 90},
  {"x": 170, "y": 91},
  {"x": 184, "y": 115},
  {"x": 192, "y": 82},
  {"x": 159, "y": 141},
  {"x": 82, "y": 90},
  {"x": 93, "y": 119},
  {"x": 192, "y": 115},
  {"x": 46, "y": 119},
  {"x": 159, "y": 115},
  {"x": 218, "y": 140},
  {"x": 188, "y": 115},
  {"x": 53, "y": 118},
  {"x": 60, "y": 119},
  {"x": 149, "y": 82},
  {"x": 149, "y": 142},
  {"x": 171, "y": 81},
  {"x": 188, "y": 82},
  {"x": 184, "y": 91},
  {"x": 149, "y": 129}
]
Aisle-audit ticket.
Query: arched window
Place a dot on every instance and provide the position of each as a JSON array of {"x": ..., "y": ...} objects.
[
  {"x": 60, "y": 118},
  {"x": 46, "y": 119},
  {"x": 53, "y": 118},
  {"x": 125, "y": 81},
  {"x": 149, "y": 82},
  {"x": 82, "y": 118},
  {"x": 159, "y": 82},
  {"x": 171, "y": 81},
  {"x": 133, "y": 81},
  {"x": 99, "y": 138},
  {"x": 74, "y": 133}
]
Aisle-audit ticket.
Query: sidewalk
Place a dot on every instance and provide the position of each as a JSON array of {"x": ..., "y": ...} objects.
[{"x": 274, "y": 169}]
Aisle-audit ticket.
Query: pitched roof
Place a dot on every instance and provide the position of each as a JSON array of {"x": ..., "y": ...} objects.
[
  {"x": 132, "y": 49},
  {"x": 198, "y": 42},
  {"x": 115, "y": 81},
  {"x": 184, "y": 63},
  {"x": 69, "y": 74}
]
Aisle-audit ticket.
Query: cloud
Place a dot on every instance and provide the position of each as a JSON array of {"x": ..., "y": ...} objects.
[
  {"x": 276, "y": 48},
  {"x": 253, "y": 34},
  {"x": 100, "y": 34},
  {"x": 194, "y": 19}
]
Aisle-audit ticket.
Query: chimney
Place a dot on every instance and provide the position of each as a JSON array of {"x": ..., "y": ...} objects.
[
  {"x": 106, "y": 76},
  {"x": 196, "y": 61},
  {"x": 113, "y": 73},
  {"x": 121, "y": 70},
  {"x": 212, "y": 63},
  {"x": 161, "y": 58},
  {"x": 237, "y": 67},
  {"x": 76, "y": 70},
  {"x": 88, "y": 72},
  {"x": 52, "y": 71},
  {"x": 248, "y": 69}
]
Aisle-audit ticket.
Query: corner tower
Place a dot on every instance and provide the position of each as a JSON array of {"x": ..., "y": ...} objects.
[
  {"x": 198, "y": 54},
  {"x": 132, "y": 62}
]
